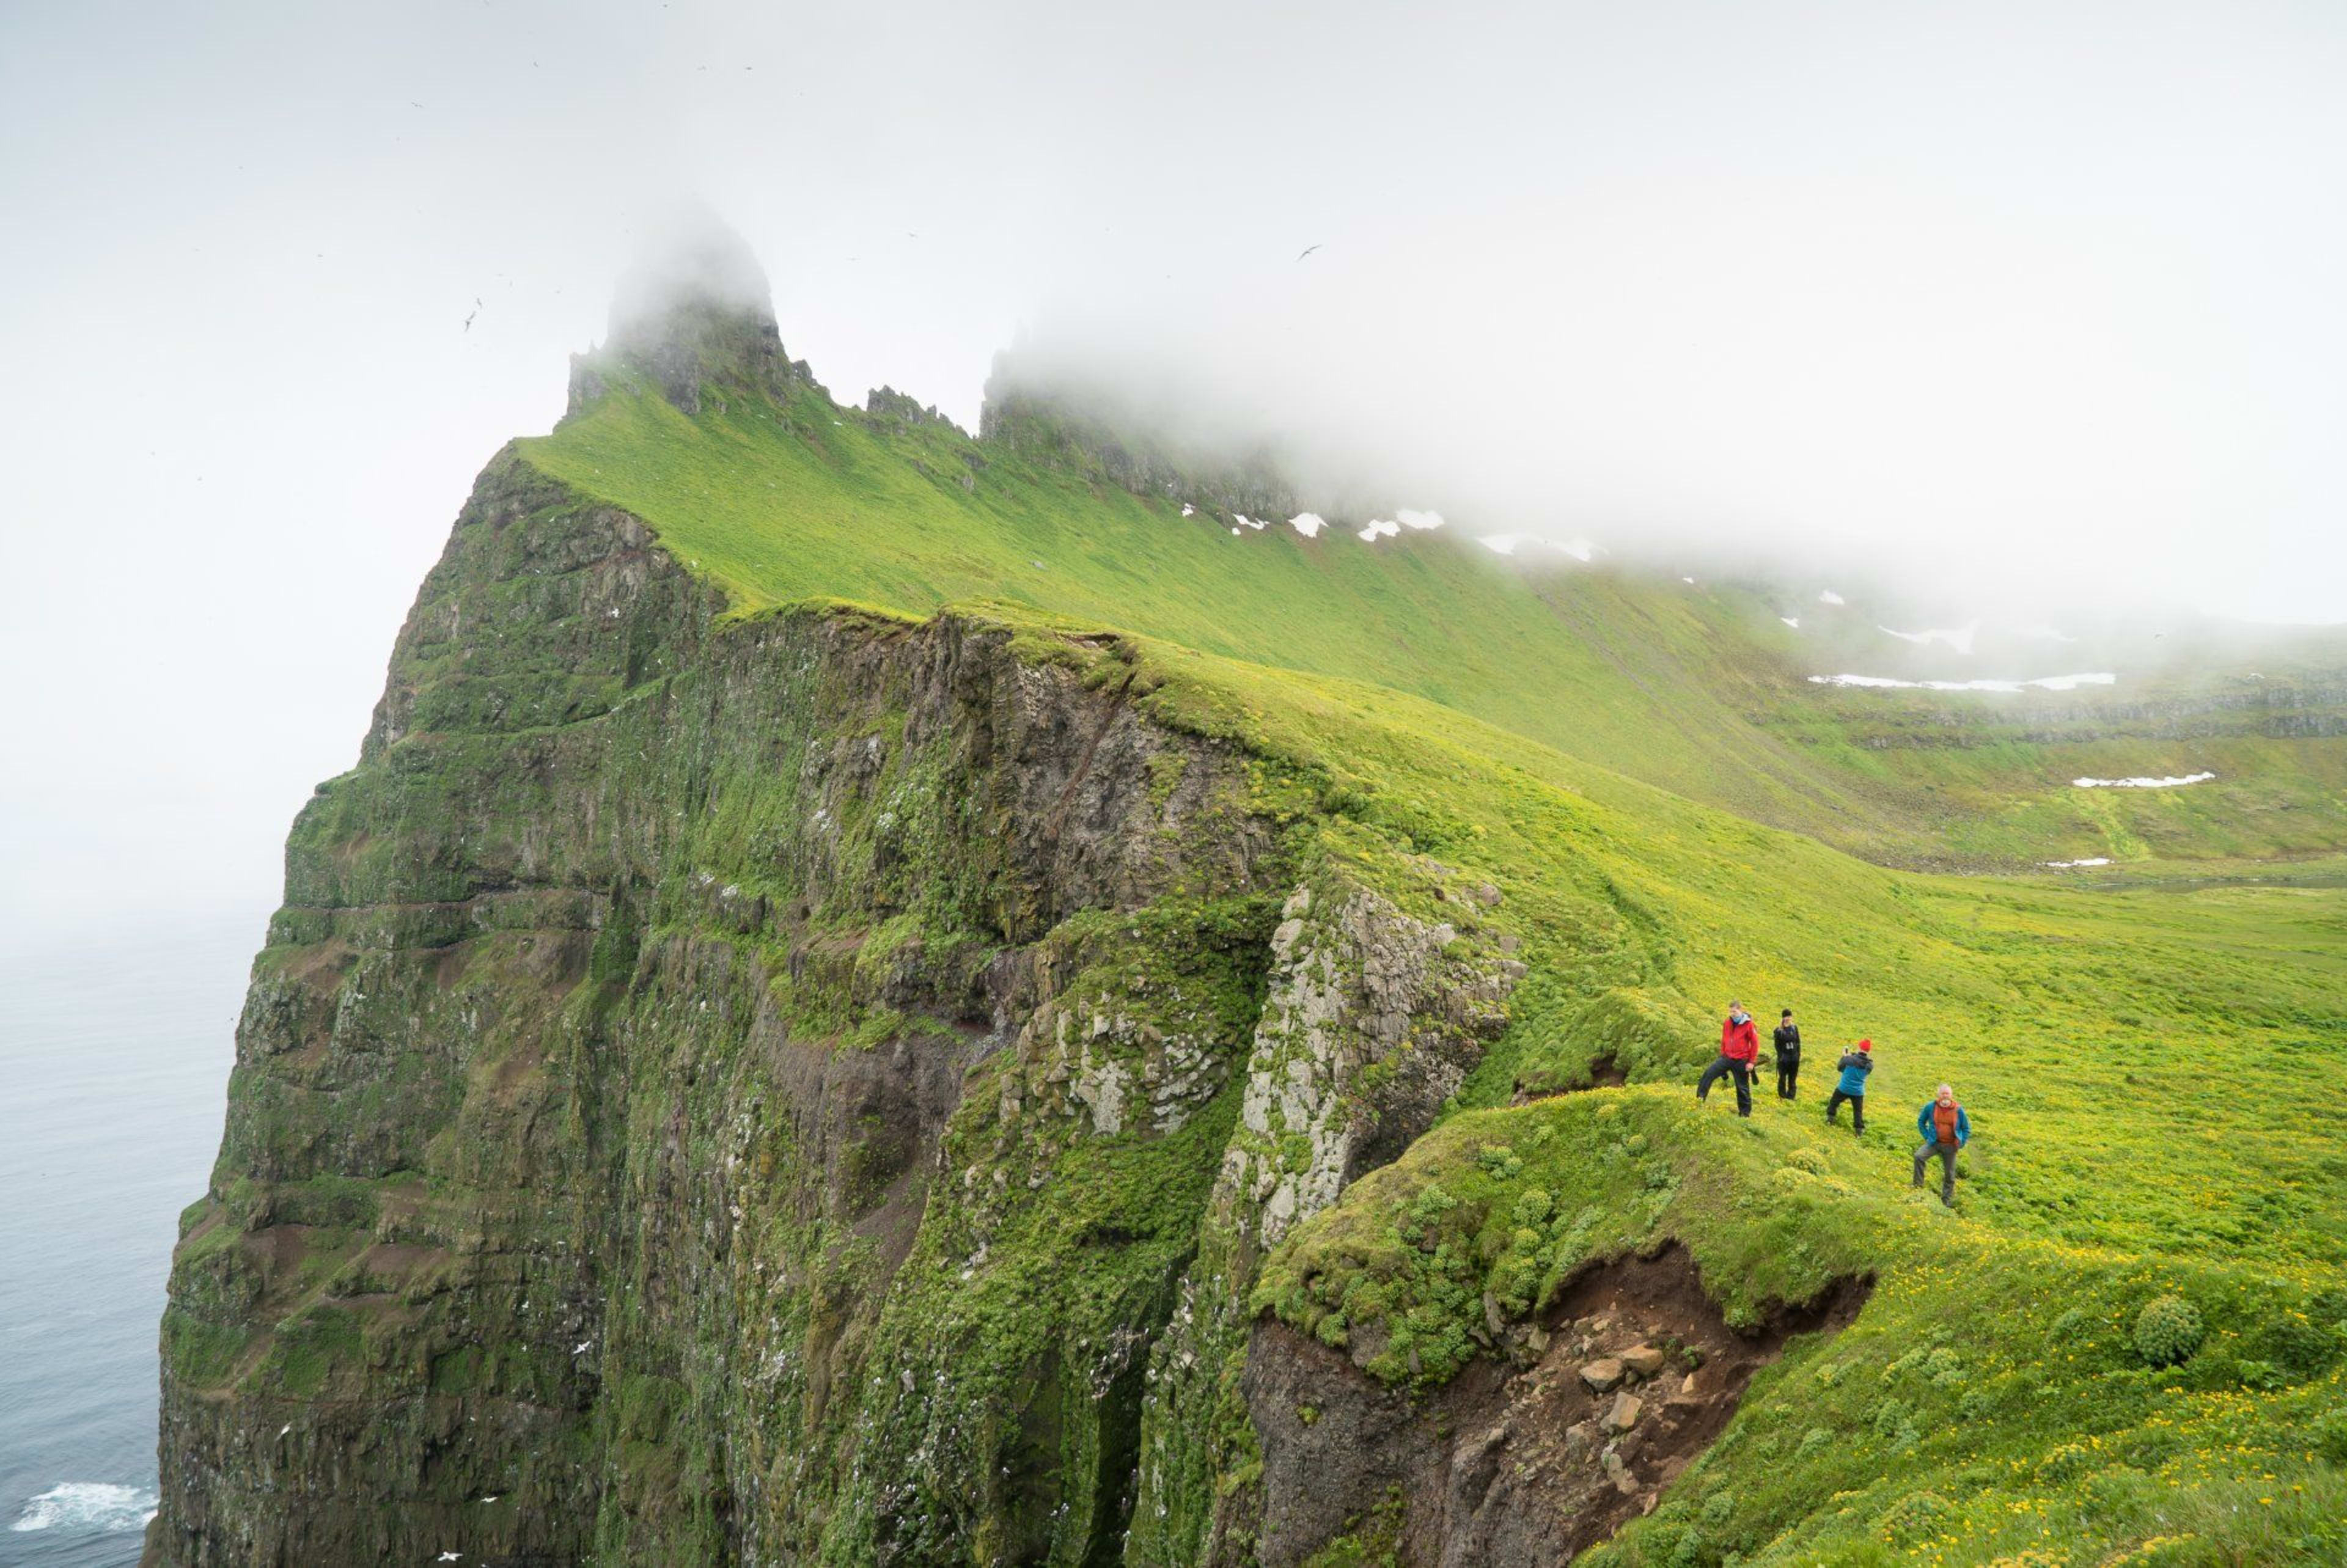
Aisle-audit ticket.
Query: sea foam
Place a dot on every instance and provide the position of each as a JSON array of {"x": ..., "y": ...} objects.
[{"x": 94, "y": 1506}]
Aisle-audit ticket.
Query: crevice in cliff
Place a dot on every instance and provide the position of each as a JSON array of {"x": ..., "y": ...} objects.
[{"x": 1057, "y": 820}]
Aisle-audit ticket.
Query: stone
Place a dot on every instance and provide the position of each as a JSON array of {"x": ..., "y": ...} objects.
[
  {"x": 1602, "y": 1375},
  {"x": 1627, "y": 1408},
  {"x": 1643, "y": 1359}
]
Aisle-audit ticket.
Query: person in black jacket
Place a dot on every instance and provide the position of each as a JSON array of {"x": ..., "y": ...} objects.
[{"x": 1788, "y": 1040}]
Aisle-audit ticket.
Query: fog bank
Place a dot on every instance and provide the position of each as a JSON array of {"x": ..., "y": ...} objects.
[{"x": 1983, "y": 296}]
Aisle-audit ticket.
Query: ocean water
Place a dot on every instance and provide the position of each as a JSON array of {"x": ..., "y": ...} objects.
[{"x": 114, "y": 1059}]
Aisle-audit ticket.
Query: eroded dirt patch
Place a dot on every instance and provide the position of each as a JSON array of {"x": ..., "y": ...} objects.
[
  {"x": 1521, "y": 1463},
  {"x": 1605, "y": 1072}
]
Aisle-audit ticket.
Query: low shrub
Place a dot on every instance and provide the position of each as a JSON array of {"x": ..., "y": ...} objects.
[{"x": 2167, "y": 1331}]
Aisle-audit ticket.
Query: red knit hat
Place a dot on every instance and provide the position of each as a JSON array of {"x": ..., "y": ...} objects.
[{"x": 1866, "y": 1045}]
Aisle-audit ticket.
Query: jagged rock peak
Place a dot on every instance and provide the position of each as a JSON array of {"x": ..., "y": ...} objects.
[
  {"x": 695, "y": 310},
  {"x": 887, "y": 403}
]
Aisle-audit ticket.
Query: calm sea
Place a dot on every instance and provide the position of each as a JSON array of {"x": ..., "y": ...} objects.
[{"x": 114, "y": 1059}]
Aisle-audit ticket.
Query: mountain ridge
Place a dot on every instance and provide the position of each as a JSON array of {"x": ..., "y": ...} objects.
[{"x": 1701, "y": 688}]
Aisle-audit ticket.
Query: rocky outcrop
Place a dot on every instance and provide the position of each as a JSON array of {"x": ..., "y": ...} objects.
[
  {"x": 694, "y": 321},
  {"x": 1373, "y": 1018},
  {"x": 1370, "y": 1026},
  {"x": 903, "y": 408},
  {"x": 1526, "y": 1458},
  {"x": 1033, "y": 418}
]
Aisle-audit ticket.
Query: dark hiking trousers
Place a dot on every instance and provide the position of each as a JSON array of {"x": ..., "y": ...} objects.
[
  {"x": 1729, "y": 1066},
  {"x": 1788, "y": 1069},
  {"x": 1945, "y": 1152},
  {"x": 1857, "y": 1109}
]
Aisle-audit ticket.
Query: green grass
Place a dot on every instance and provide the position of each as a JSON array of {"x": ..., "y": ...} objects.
[
  {"x": 1697, "y": 689},
  {"x": 2138, "y": 1061},
  {"x": 2147, "y": 1056}
]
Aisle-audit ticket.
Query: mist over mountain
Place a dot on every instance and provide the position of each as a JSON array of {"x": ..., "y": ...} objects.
[{"x": 1064, "y": 864}]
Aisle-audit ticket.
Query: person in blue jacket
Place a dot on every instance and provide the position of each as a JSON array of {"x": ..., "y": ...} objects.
[
  {"x": 1944, "y": 1128},
  {"x": 1853, "y": 1067}
]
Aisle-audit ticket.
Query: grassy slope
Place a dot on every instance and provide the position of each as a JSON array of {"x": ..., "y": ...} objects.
[
  {"x": 1699, "y": 690},
  {"x": 818, "y": 501},
  {"x": 2131, "y": 1060},
  {"x": 2138, "y": 1060}
]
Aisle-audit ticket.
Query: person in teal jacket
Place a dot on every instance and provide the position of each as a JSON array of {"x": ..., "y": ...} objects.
[
  {"x": 1854, "y": 1065},
  {"x": 1944, "y": 1128}
]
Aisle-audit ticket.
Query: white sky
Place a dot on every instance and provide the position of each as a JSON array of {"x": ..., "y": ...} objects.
[{"x": 2030, "y": 291}]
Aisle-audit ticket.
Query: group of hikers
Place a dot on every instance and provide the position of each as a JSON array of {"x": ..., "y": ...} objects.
[{"x": 1941, "y": 1123}]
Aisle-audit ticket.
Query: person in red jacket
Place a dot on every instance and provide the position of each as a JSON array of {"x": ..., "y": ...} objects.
[{"x": 1740, "y": 1048}]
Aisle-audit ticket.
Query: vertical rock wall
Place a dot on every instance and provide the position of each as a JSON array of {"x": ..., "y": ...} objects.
[{"x": 803, "y": 1089}]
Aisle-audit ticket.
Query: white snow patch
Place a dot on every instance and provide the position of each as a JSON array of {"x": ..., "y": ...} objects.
[
  {"x": 2049, "y": 634},
  {"x": 1960, "y": 640},
  {"x": 1579, "y": 549},
  {"x": 1792, "y": 621},
  {"x": 2043, "y": 682},
  {"x": 1688, "y": 580},
  {"x": 1381, "y": 528},
  {"x": 1831, "y": 597},
  {"x": 1411, "y": 520},
  {"x": 94, "y": 1507},
  {"x": 2170, "y": 783},
  {"x": 1308, "y": 524},
  {"x": 2066, "y": 864},
  {"x": 1501, "y": 544},
  {"x": 1188, "y": 510},
  {"x": 1234, "y": 532}
]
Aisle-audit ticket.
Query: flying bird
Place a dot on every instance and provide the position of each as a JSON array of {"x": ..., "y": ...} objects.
[
  {"x": 477, "y": 311},
  {"x": 1307, "y": 252}
]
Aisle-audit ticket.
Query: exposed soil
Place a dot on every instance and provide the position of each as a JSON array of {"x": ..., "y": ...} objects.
[
  {"x": 1605, "y": 1072},
  {"x": 1513, "y": 1466}
]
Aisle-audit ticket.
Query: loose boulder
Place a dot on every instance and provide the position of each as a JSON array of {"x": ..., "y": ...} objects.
[{"x": 1602, "y": 1374}]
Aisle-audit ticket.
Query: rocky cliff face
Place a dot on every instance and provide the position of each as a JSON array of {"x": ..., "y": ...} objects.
[{"x": 806, "y": 1089}]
